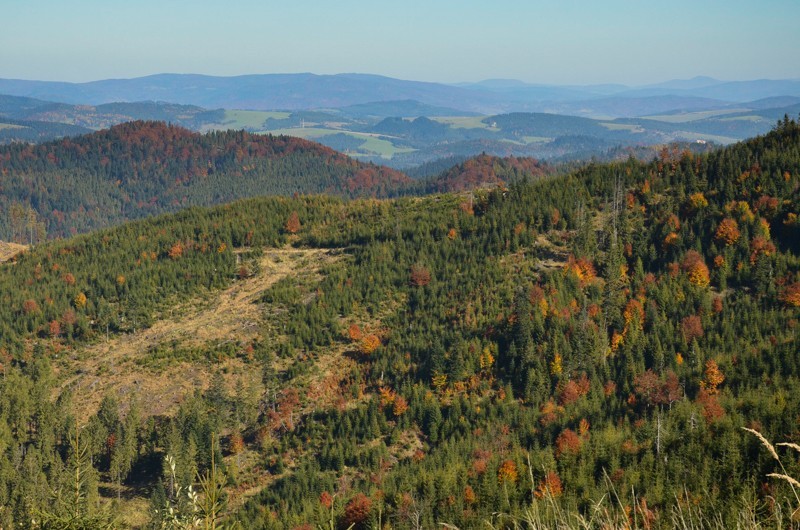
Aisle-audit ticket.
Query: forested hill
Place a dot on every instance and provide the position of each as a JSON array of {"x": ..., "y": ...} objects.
[
  {"x": 486, "y": 170},
  {"x": 582, "y": 350},
  {"x": 139, "y": 169}
]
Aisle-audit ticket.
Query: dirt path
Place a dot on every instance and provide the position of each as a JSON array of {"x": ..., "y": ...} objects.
[{"x": 233, "y": 314}]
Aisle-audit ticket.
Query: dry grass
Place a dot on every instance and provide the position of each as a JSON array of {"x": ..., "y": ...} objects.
[
  {"x": 9, "y": 251},
  {"x": 233, "y": 315}
]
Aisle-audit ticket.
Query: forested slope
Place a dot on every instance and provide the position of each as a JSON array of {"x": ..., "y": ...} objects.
[
  {"x": 486, "y": 170},
  {"x": 140, "y": 169},
  {"x": 595, "y": 339}
]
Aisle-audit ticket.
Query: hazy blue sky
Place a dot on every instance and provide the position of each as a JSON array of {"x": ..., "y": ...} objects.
[{"x": 541, "y": 41}]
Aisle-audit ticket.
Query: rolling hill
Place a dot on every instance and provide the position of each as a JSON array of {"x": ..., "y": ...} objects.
[
  {"x": 86, "y": 117},
  {"x": 487, "y": 171},
  {"x": 30, "y": 131},
  {"x": 405, "y": 123},
  {"x": 584, "y": 349},
  {"x": 144, "y": 168}
]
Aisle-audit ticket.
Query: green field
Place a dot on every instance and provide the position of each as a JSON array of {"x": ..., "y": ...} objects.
[
  {"x": 692, "y": 136},
  {"x": 744, "y": 118},
  {"x": 686, "y": 117},
  {"x": 11, "y": 126},
  {"x": 384, "y": 148},
  {"x": 372, "y": 144},
  {"x": 246, "y": 119},
  {"x": 535, "y": 139},
  {"x": 631, "y": 127},
  {"x": 464, "y": 122}
]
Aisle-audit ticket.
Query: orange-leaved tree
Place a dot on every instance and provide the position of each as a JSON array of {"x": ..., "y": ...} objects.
[
  {"x": 713, "y": 377},
  {"x": 550, "y": 486},
  {"x": 727, "y": 231},
  {"x": 696, "y": 269},
  {"x": 293, "y": 223},
  {"x": 369, "y": 344},
  {"x": 791, "y": 295}
]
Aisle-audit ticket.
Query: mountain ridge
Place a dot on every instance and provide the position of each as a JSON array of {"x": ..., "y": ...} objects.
[{"x": 307, "y": 90}]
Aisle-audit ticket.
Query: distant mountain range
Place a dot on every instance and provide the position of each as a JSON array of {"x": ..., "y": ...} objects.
[
  {"x": 407, "y": 123},
  {"x": 310, "y": 91}
]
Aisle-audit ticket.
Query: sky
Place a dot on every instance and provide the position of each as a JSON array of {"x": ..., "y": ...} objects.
[{"x": 633, "y": 42}]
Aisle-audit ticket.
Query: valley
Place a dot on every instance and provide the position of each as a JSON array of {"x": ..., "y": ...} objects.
[{"x": 405, "y": 124}]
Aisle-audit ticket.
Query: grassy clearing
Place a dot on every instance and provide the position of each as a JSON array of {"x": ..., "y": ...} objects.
[
  {"x": 384, "y": 148},
  {"x": 536, "y": 139},
  {"x": 11, "y": 126},
  {"x": 745, "y": 118},
  {"x": 622, "y": 127},
  {"x": 372, "y": 145},
  {"x": 309, "y": 133},
  {"x": 138, "y": 363},
  {"x": 245, "y": 119},
  {"x": 465, "y": 122},
  {"x": 10, "y": 250},
  {"x": 238, "y": 313},
  {"x": 685, "y": 117},
  {"x": 693, "y": 136}
]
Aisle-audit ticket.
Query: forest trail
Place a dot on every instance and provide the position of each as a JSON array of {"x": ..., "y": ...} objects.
[{"x": 232, "y": 315}]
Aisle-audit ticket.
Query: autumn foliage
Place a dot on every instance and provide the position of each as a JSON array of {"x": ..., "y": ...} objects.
[
  {"x": 469, "y": 495},
  {"x": 550, "y": 486},
  {"x": 791, "y": 295},
  {"x": 696, "y": 269},
  {"x": 293, "y": 223},
  {"x": 712, "y": 377},
  {"x": 712, "y": 410},
  {"x": 655, "y": 390},
  {"x": 573, "y": 390},
  {"x": 484, "y": 170},
  {"x": 420, "y": 276},
  {"x": 55, "y": 328},
  {"x": 698, "y": 200},
  {"x": 507, "y": 472},
  {"x": 634, "y": 312},
  {"x": 727, "y": 231},
  {"x": 236, "y": 443},
  {"x": 760, "y": 246},
  {"x": 326, "y": 500},
  {"x": 354, "y": 332},
  {"x": 691, "y": 328},
  {"x": 80, "y": 300},
  {"x": 568, "y": 443},
  {"x": 29, "y": 306},
  {"x": 176, "y": 250},
  {"x": 369, "y": 344},
  {"x": 357, "y": 511},
  {"x": 582, "y": 268},
  {"x": 671, "y": 239},
  {"x": 400, "y": 406}
]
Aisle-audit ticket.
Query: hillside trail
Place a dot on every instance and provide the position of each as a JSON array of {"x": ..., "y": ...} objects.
[{"x": 231, "y": 315}]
